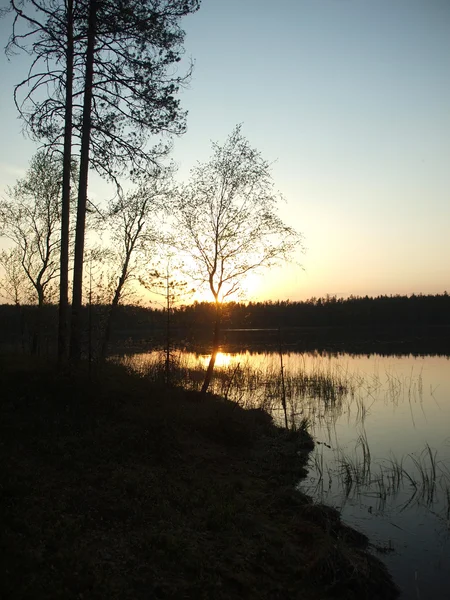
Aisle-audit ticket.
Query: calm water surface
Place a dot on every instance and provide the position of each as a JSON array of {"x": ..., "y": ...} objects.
[{"x": 382, "y": 455}]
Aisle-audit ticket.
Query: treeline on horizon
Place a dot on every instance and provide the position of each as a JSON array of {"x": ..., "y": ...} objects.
[
  {"x": 381, "y": 312},
  {"x": 330, "y": 311}
]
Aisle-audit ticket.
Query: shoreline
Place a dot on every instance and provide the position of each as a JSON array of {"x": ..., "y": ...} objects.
[{"x": 114, "y": 488}]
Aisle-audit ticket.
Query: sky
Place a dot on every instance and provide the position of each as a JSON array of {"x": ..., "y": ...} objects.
[{"x": 350, "y": 101}]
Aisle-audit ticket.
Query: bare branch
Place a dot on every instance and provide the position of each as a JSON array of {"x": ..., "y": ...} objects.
[{"x": 227, "y": 218}]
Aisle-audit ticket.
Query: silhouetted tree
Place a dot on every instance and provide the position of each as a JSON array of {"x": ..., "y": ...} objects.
[
  {"x": 124, "y": 88},
  {"x": 227, "y": 223},
  {"x": 164, "y": 280},
  {"x": 30, "y": 218},
  {"x": 14, "y": 284},
  {"x": 45, "y": 30},
  {"x": 131, "y": 219}
]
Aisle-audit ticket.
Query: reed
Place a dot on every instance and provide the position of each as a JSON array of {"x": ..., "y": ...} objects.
[
  {"x": 270, "y": 387},
  {"x": 422, "y": 478},
  {"x": 313, "y": 394}
]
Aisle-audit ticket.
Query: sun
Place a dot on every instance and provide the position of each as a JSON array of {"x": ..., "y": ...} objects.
[
  {"x": 248, "y": 289},
  {"x": 202, "y": 295},
  {"x": 251, "y": 285}
]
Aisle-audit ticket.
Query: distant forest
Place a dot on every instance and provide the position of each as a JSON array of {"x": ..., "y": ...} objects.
[
  {"x": 417, "y": 317},
  {"x": 355, "y": 311}
]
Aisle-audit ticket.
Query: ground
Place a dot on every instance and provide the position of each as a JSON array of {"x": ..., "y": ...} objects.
[{"x": 111, "y": 488}]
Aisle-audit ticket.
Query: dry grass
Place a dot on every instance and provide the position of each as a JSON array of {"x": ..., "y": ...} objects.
[{"x": 250, "y": 385}]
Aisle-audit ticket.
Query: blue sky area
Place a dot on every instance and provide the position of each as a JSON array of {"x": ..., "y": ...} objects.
[{"x": 351, "y": 100}]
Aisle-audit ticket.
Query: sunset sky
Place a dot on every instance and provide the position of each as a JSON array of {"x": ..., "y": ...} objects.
[{"x": 351, "y": 100}]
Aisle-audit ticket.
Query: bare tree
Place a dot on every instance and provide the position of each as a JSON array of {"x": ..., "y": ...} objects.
[
  {"x": 14, "y": 284},
  {"x": 131, "y": 218},
  {"x": 228, "y": 225},
  {"x": 164, "y": 280},
  {"x": 30, "y": 218}
]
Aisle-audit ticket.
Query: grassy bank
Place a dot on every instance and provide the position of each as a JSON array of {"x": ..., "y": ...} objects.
[{"x": 113, "y": 488}]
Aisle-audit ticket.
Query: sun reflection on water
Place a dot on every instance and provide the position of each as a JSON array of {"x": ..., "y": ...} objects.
[{"x": 222, "y": 359}]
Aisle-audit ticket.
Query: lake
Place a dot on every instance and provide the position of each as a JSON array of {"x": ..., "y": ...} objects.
[{"x": 382, "y": 431}]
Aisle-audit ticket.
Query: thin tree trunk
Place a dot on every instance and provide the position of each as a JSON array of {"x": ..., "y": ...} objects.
[
  {"x": 90, "y": 349},
  {"x": 77, "y": 295},
  {"x": 215, "y": 350},
  {"x": 113, "y": 307},
  {"x": 37, "y": 333},
  {"x": 168, "y": 331},
  {"x": 65, "y": 203},
  {"x": 22, "y": 328},
  {"x": 283, "y": 386}
]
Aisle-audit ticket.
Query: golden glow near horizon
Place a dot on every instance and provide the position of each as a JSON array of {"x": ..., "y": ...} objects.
[
  {"x": 248, "y": 289},
  {"x": 361, "y": 158}
]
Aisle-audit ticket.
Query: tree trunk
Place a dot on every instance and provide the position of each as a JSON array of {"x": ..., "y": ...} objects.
[
  {"x": 22, "y": 328},
  {"x": 37, "y": 333},
  {"x": 114, "y": 304},
  {"x": 77, "y": 295},
  {"x": 168, "y": 332},
  {"x": 283, "y": 386},
  {"x": 215, "y": 350},
  {"x": 65, "y": 203}
]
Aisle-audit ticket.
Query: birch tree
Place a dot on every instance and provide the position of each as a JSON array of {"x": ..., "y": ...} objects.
[
  {"x": 30, "y": 218},
  {"x": 228, "y": 226},
  {"x": 14, "y": 283},
  {"x": 132, "y": 219}
]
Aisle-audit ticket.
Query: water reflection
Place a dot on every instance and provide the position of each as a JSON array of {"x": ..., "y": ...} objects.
[
  {"x": 222, "y": 360},
  {"x": 382, "y": 455}
]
